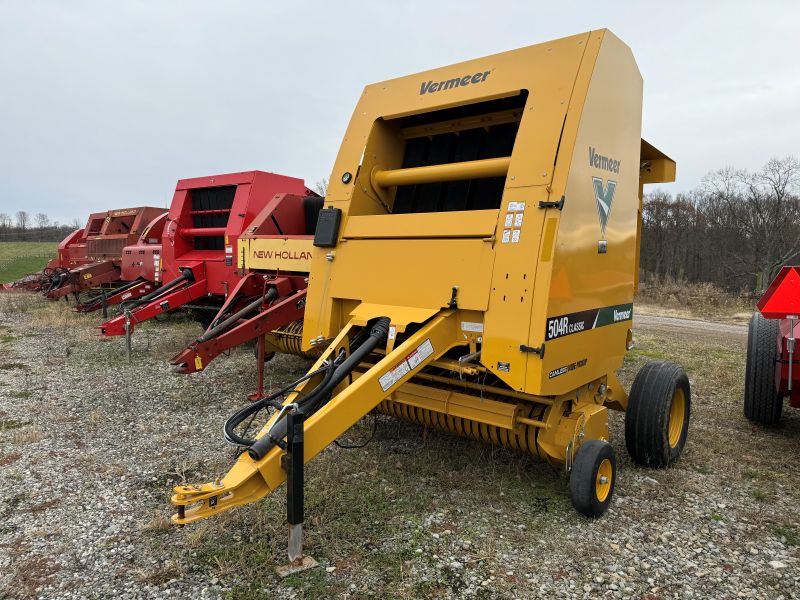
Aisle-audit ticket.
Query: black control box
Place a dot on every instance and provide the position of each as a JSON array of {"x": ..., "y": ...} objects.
[{"x": 327, "y": 231}]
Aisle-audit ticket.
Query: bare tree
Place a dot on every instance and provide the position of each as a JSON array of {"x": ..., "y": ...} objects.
[
  {"x": 321, "y": 187},
  {"x": 42, "y": 220},
  {"x": 5, "y": 221},
  {"x": 22, "y": 220},
  {"x": 760, "y": 212}
]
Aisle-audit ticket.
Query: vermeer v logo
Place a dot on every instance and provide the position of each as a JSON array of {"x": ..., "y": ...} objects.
[{"x": 603, "y": 196}]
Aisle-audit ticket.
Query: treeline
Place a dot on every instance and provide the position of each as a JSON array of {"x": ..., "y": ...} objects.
[
  {"x": 37, "y": 228},
  {"x": 735, "y": 230}
]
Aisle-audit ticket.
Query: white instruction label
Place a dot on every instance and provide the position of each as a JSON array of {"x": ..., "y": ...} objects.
[
  {"x": 392, "y": 332},
  {"x": 474, "y": 327},
  {"x": 515, "y": 236},
  {"x": 516, "y": 206},
  {"x": 509, "y": 219},
  {"x": 413, "y": 360},
  {"x": 518, "y": 219},
  {"x": 417, "y": 356},
  {"x": 506, "y": 235}
]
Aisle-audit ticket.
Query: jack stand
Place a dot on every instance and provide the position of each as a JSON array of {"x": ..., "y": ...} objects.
[
  {"x": 128, "y": 334},
  {"x": 293, "y": 465},
  {"x": 259, "y": 393},
  {"x": 104, "y": 304}
]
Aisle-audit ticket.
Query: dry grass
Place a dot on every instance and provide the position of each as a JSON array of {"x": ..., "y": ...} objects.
[{"x": 699, "y": 299}]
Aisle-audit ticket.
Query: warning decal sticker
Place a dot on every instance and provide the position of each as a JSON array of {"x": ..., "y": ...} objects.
[{"x": 410, "y": 362}]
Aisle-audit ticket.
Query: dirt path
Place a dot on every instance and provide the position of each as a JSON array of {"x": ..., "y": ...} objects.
[{"x": 721, "y": 333}]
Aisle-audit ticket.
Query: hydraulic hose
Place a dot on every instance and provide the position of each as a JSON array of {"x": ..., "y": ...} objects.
[
  {"x": 232, "y": 438},
  {"x": 378, "y": 333},
  {"x": 58, "y": 281},
  {"x": 186, "y": 275},
  {"x": 119, "y": 290},
  {"x": 252, "y": 307}
]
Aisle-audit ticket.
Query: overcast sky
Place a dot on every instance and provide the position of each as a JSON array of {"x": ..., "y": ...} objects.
[{"x": 107, "y": 104}]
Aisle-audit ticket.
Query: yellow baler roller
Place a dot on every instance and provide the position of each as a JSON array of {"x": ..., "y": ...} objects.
[
  {"x": 289, "y": 339},
  {"x": 525, "y": 441}
]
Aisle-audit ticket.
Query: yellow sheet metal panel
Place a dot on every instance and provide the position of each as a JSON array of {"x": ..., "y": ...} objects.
[
  {"x": 590, "y": 281},
  {"x": 656, "y": 167},
  {"x": 473, "y": 223},
  {"x": 417, "y": 273},
  {"x": 278, "y": 254}
]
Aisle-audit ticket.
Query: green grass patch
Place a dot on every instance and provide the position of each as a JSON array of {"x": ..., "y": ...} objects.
[
  {"x": 21, "y": 394},
  {"x": 651, "y": 353},
  {"x": 788, "y": 534},
  {"x": 20, "y": 258},
  {"x": 11, "y": 365},
  {"x": 8, "y": 424}
]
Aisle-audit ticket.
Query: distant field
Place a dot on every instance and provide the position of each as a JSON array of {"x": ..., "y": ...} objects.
[{"x": 19, "y": 258}]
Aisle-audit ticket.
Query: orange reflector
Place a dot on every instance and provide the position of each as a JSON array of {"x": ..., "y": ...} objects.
[{"x": 782, "y": 298}]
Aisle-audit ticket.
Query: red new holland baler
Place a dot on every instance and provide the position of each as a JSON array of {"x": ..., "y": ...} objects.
[
  {"x": 199, "y": 245},
  {"x": 140, "y": 270},
  {"x": 268, "y": 303},
  {"x": 107, "y": 233},
  {"x": 773, "y": 371}
]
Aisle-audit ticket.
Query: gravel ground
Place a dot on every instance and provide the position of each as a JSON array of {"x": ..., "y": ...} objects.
[{"x": 90, "y": 447}]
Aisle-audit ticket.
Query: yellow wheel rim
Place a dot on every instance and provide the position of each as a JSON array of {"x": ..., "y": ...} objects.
[
  {"x": 602, "y": 483},
  {"x": 677, "y": 415}
]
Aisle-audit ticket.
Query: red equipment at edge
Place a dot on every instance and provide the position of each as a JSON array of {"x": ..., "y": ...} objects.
[
  {"x": 773, "y": 371},
  {"x": 782, "y": 298},
  {"x": 199, "y": 243}
]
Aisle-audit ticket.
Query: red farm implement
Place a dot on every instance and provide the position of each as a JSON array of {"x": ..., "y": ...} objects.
[
  {"x": 199, "y": 245},
  {"x": 140, "y": 270},
  {"x": 267, "y": 304},
  {"x": 772, "y": 372},
  {"x": 107, "y": 234}
]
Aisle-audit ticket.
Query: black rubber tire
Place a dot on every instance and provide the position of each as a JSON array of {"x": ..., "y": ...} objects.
[
  {"x": 582, "y": 478},
  {"x": 648, "y": 415},
  {"x": 762, "y": 402}
]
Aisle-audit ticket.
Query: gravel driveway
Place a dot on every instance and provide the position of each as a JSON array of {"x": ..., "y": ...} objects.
[{"x": 90, "y": 447}]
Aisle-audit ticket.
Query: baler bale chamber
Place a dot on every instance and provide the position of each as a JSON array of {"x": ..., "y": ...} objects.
[
  {"x": 107, "y": 234},
  {"x": 474, "y": 271}
]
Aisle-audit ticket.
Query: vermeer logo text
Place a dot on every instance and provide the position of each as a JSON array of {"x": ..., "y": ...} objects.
[{"x": 430, "y": 87}]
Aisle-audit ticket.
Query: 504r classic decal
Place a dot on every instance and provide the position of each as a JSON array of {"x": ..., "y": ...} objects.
[{"x": 587, "y": 319}]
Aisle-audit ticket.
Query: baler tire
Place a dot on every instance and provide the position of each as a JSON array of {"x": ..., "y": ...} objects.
[
  {"x": 592, "y": 479},
  {"x": 762, "y": 402},
  {"x": 660, "y": 394}
]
